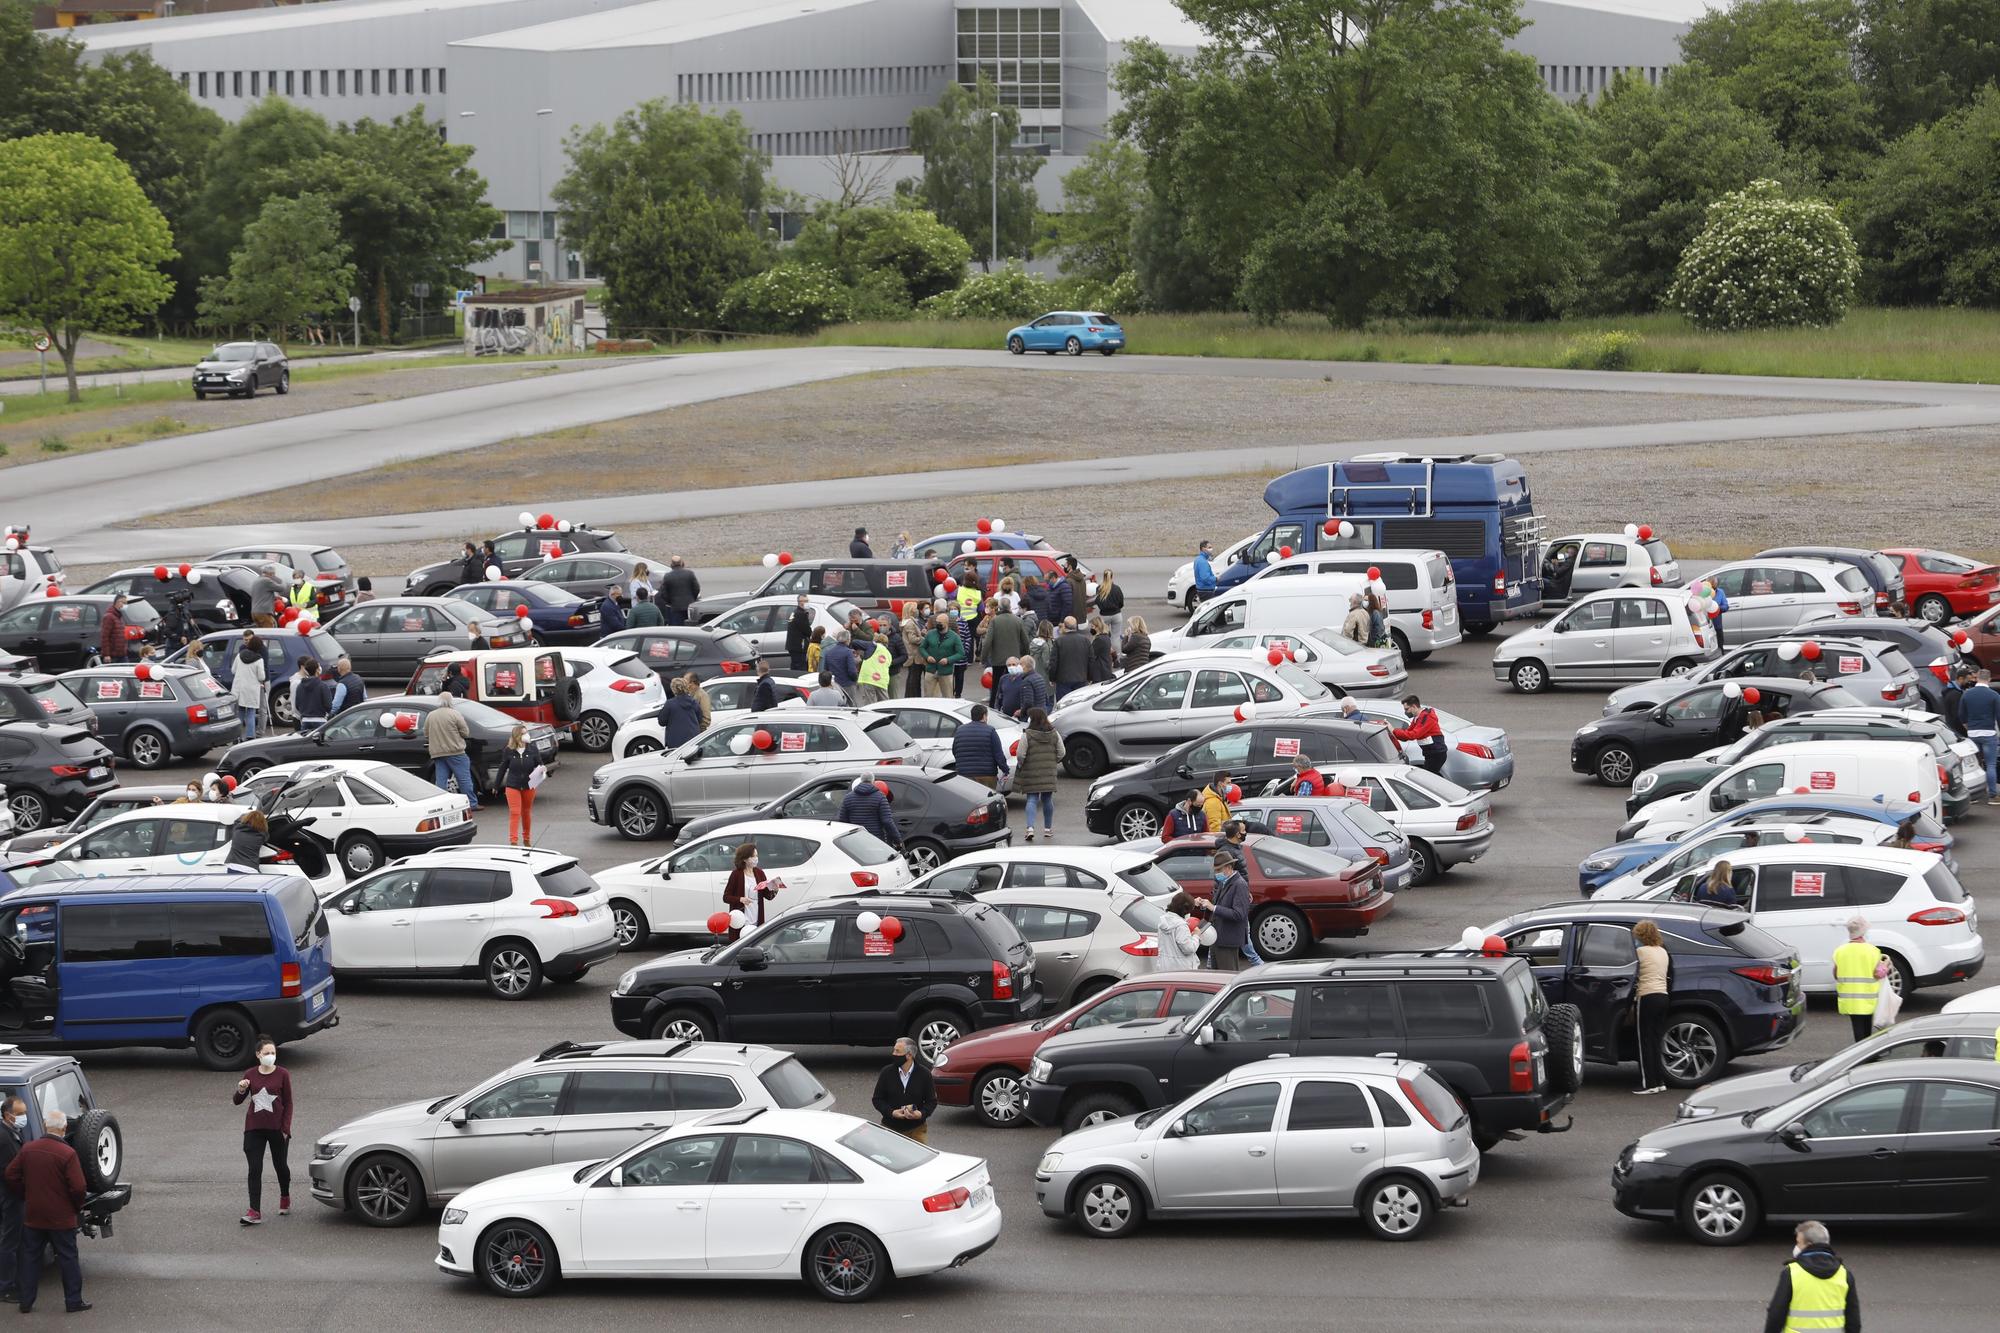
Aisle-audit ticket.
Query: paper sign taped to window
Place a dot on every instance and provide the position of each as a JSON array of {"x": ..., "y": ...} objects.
[
  {"x": 1760, "y": 586},
  {"x": 1282, "y": 824},
  {"x": 792, "y": 741},
  {"x": 507, "y": 679},
  {"x": 545, "y": 668},
  {"x": 51, "y": 707},
  {"x": 1821, "y": 781},
  {"x": 660, "y": 648},
  {"x": 413, "y": 624},
  {"x": 896, "y": 578},
  {"x": 152, "y": 689},
  {"x": 1808, "y": 884},
  {"x": 68, "y": 615},
  {"x": 550, "y": 550},
  {"x": 109, "y": 689},
  {"x": 1285, "y": 747},
  {"x": 876, "y": 945},
  {"x": 1850, "y": 666}
]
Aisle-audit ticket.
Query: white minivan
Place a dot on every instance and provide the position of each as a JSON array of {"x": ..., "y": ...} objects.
[
  {"x": 1423, "y": 599},
  {"x": 1610, "y": 637},
  {"x": 1316, "y": 601},
  {"x": 1905, "y": 772}
]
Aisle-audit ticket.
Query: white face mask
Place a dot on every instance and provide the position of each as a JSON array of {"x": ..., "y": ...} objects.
[
  {"x": 1014, "y": 670},
  {"x": 752, "y": 863},
  {"x": 267, "y": 1060}
]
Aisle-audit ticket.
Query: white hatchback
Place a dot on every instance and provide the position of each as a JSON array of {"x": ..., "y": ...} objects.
[
  {"x": 163, "y": 840},
  {"x": 617, "y": 687}
]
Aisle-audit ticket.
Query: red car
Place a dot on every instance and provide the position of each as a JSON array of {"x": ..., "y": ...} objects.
[
  {"x": 984, "y": 1071},
  {"x": 1299, "y": 895},
  {"x": 1938, "y": 585}
]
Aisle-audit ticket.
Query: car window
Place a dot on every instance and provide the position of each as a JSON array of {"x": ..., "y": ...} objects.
[
  {"x": 711, "y": 857},
  {"x": 1328, "y": 1105},
  {"x": 1188, "y": 1001},
  {"x": 1751, "y": 784},
  {"x": 886, "y": 1148},
  {"x": 1260, "y": 1014},
  {"x": 1703, "y": 705},
  {"x": 1291, "y": 824},
  {"x": 1954, "y": 1048},
  {"x": 1800, "y": 887},
  {"x": 394, "y": 891},
  {"x": 1045, "y": 875},
  {"x": 806, "y": 941},
  {"x": 63, "y": 1093},
  {"x": 1218, "y": 689},
  {"x": 781, "y": 853},
  {"x": 1875, "y": 1109},
  {"x": 1640, "y": 612},
  {"x": 675, "y": 1162},
  {"x": 704, "y": 1092},
  {"x": 1231, "y": 751},
  {"x": 1352, "y": 1009},
  {"x": 191, "y": 839},
  {"x": 1160, "y": 693},
  {"x": 1250, "y": 1109},
  {"x": 453, "y": 886},
  {"x": 1415, "y": 797},
  {"x": 1040, "y": 925},
  {"x": 1124, "y": 1007},
  {"x": 716, "y": 745},
  {"x": 1957, "y": 1108},
  {"x": 618, "y": 1092},
  {"x": 221, "y": 930},
  {"x": 1541, "y": 946},
  {"x": 134, "y": 837},
  {"x": 1276, "y": 865},
  {"x": 1866, "y": 887},
  {"x": 1392, "y": 1112},
  {"x": 518, "y": 1099},
  {"x": 1605, "y": 945},
  {"x": 760, "y": 1159},
  {"x": 1603, "y": 553},
  {"x": 1588, "y": 618},
  {"x": 1444, "y": 1009},
  {"x": 361, "y": 620}
]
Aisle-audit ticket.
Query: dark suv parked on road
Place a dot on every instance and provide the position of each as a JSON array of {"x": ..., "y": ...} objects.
[
  {"x": 1481, "y": 1024},
  {"x": 240, "y": 369}
]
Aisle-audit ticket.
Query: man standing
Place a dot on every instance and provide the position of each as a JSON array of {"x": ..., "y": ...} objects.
[
  {"x": 10, "y": 1203},
  {"x": 941, "y": 650},
  {"x": 312, "y": 697},
  {"x": 1979, "y": 709},
  {"x": 1072, "y": 659},
  {"x": 826, "y": 694},
  {"x": 1815, "y": 1290},
  {"x": 871, "y": 678},
  {"x": 1232, "y": 915},
  {"x": 840, "y": 662},
  {"x": 645, "y": 612},
  {"x": 1215, "y": 801},
  {"x": 1006, "y": 640},
  {"x": 1426, "y": 733},
  {"x": 904, "y": 1094},
  {"x": 798, "y": 633},
  {"x": 445, "y": 735},
  {"x": 471, "y": 565},
  {"x": 976, "y": 749},
  {"x": 1855, "y": 983},
  {"x": 1034, "y": 689},
  {"x": 49, "y": 1178},
  {"x": 679, "y": 589},
  {"x": 264, "y": 595},
  {"x": 347, "y": 687},
  {"x": 858, "y": 549},
  {"x": 764, "y": 695},
  {"x": 111, "y": 632},
  {"x": 610, "y": 615},
  {"x": 1204, "y": 574},
  {"x": 866, "y": 807}
]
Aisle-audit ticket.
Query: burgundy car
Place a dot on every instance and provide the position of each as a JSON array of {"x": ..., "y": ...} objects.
[
  {"x": 1299, "y": 895},
  {"x": 984, "y": 1071}
]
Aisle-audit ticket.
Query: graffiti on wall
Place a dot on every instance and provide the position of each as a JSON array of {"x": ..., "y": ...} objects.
[{"x": 505, "y": 332}]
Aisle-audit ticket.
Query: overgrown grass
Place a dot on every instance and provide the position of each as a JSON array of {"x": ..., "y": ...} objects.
[
  {"x": 140, "y": 354},
  {"x": 1947, "y": 345}
]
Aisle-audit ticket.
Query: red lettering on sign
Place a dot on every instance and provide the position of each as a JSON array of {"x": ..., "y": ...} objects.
[
  {"x": 1808, "y": 884},
  {"x": 1285, "y": 747},
  {"x": 1288, "y": 824},
  {"x": 896, "y": 578},
  {"x": 1822, "y": 781},
  {"x": 791, "y": 741}
]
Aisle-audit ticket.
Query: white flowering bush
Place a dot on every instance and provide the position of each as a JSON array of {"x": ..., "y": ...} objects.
[
  {"x": 1765, "y": 261},
  {"x": 786, "y": 298}
]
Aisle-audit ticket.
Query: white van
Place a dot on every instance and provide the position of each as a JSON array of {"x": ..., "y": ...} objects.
[
  {"x": 1316, "y": 601},
  {"x": 1423, "y": 599},
  {"x": 1904, "y": 772},
  {"x": 1180, "y": 584}
]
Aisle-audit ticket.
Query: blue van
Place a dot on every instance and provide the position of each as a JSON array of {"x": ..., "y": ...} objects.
[{"x": 202, "y": 960}]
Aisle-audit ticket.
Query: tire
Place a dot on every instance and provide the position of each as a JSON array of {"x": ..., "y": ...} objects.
[
  {"x": 1933, "y": 608},
  {"x": 100, "y": 1144},
  {"x": 997, "y": 1098},
  {"x": 1720, "y": 1208},
  {"x": 1106, "y": 351},
  {"x": 1485, "y": 1139},
  {"x": 638, "y": 813},
  {"x": 923, "y": 855},
  {"x": 594, "y": 732},
  {"x": 1188, "y": 603},
  {"x": 1402, "y": 642},
  {"x": 1281, "y": 933},
  {"x": 250, "y": 768},
  {"x": 1086, "y": 989},
  {"x": 1016, "y": 346},
  {"x": 1414, "y": 658},
  {"x": 31, "y": 809},
  {"x": 683, "y": 1025},
  {"x": 1095, "y": 1108},
  {"x": 1478, "y": 629},
  {"x": 360, "y": 853},
  {"x": 1616, "y": 765},
  {"x": 282, "y": 711},
  {"x": 284, "y": 382},
  {"x": 642, "y": 745},
  {"x": 222, "y": 1038},
  {"x": 1900, "y": 978},
  {"x": 1086, "y": 757},
  {"x": 148, "y": 747},
  {"x": 1529, "y": 676},
  {"x": 1107, "y": 1206},
  {"x": 510, "y": 970},
  {"x": 1679, "y": 666},
  {"x": 845, "y": 1264},
  {"x": 385, "y": 1191},
  {"x": 1398, "y": 1207},
  {"x": 1424, "y": 867},
  {"x": 200, "y": 397},
  {"x": 1694, "y": 1048},
  {"x": 568, "y": 699},
  {"x": 1563, "y": 1026},
  {"x": 1073, "y": 345},
  {"x": 515, "y": 1259},
  {"x": 1136, "y": 819},
  {"x": 937, "y": 1029},
  {"x": 628, "y": 921}
]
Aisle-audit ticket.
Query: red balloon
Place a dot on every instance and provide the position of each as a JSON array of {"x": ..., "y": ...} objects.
[
  {"x": 306, "y": 626},
  {"x": 406, "y": 722},
  {"x": 1751, "y": 694},
  {"x": 986, "y": 678},
  {"x": 545, "y": 522},
  {"x": 522, "y": 613},
  {"x": 1802, "y": 791},
  {"x": 761, "y": 739},
  {"x": 1809, "y": 650},
  {"x": 881, "y": 786},
  {"x": 784, "y": 557},
  {"x": 228, "y": 783},
  {"x": 1234, "y": 794},
  {"x": 983, "y": 543},
  {"x": 896, "y": 610},
  {"x": 937, "y": 576},
  {"x": 1374, "y": 573},
  {"x": 891, "y": 929},
  {"x": 185, "y": 569},
  {"x": 1645, "y": 532},
  {"x": 1331, "y": 527},
  {"x": 160, "y": 573},
  {"x": 718, "y": 923},
  {"x": 950, "y": 585},
  {"x": 1275, "y": 657},
  {"x": 143, "y": 671},
  {"x": 1240, "y": 715},
  {"x": 54, "y": 591},
  {"x": 986, "y": 525},
  {"x": 1284, "y": 553},
  {"x": 875, "y": 626},
  {"x": 1493, "y": 947}
]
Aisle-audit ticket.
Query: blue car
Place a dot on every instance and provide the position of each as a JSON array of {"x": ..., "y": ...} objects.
[
  {"x": 557, "y": 615},
  {"x": 1072, "y": 331},
  {"x": 1621, "y": 858},
  {"x": 946, "y": 545}
]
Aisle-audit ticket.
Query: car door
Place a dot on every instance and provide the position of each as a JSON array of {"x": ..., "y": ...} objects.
[
  {"x": 1684, "y": 727},
  {"x": 873, "y": 976},
  {"x": 649, "y": 1214},
  {"x": 1229, "y": 752},
  {"x": 788, "y": 865},
  {"x": 1328, "y": 1143},
  {"x": 374, "y": 924},
  {"x": 126, "y": 847},
  {"x": 1352, "y": 1018},
  {"x": 360, "y": 633},
  {"x": 1753, "y": 592},
  {"x": 407, "y": 633},
  {"x": 788, "y": 997},
  {"x": 1581, "y": 643},
  {"x": 1149, "y": 720},
  {"x": 1949, "y": 1162},
  {"x": 189, "y": 843},
  {"x": 1038, "y": 334},
  {"x": 1603, "y": 976},
  {"x": 690, "y": 883},
  {"x": 794, "y": 748},
  {"x": 1220, "y": 1152},
  {"x": 769, "y": 1194},
  {"x": 1216, "y": 696},
  {"x": 1253, "y": 1023},
  {"x": 1600, "y": 566},
  {"x": 714, "y": 777},
  {"x": 1643, "y": 641},
  {"x": 508, "y": 1128},
  {"x": 69, "y": 636},
  {"x": 606, "y": 1111},
  {"x": 1060, "y": 937},
  {"x": 458, "y": 910},
  {"x": 1804, "y": 903},
  {"x": 1850, "y": 1159},
  {"x": 1545, "y": 948},
  {"x": 1559, "y": 569}
]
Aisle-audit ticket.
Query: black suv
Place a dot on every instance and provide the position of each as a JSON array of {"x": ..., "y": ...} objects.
[
  {"x": 519, "y": 551},
  {"x": 1481, "y": 1024},
  {"x": 1131, "y": 802},
  {"x": 940, "y": 814},
  {"x": 50, "y": 771},
  {"x": 1732, "y": 989},
  {"x": 61, "y": 633},
  {"x": 813, "y": 978}
]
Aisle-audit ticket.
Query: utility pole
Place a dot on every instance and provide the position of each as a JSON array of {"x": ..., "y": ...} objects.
[
  {"x": 547, "y": 242},
  {"x": 993, "y": 190}
]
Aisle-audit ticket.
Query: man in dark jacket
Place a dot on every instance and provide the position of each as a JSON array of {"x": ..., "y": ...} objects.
[
  {"x": 866, "y": 807},
  {"x": 1006, "y": 639},
  {"x": 610, "y": 615},
  {"x": 840, "y": 662},
  {"x": 798, "y": 633},
  {"x": 1954, "y": 691},
  {"x": 645, "y": 614},
  {"x": 111, "y": 644},
  {"x": 858, "y": 549},
  {"x": 1071, "y": 662},
  {"x": 976, "y": 749},
  {"x": 679, "y": 589},
  {"x": 347, "y": 689},
  {"x": 904, "y": 1094},
  {"x": 1815, "y": 1284},
  {"x": 312, "y": 697},
  {"x": 680, "y": 720},
  {"x": 764, "y": 697},
  {"x": 49, "y": 1178},
  {"x": 1062, "y": 599},
  {"x": 471, "y": 565},
  {"x": 1079, "y": 587},
  {"x": 11, "y": 1128},
  {"x": 1232, "y": 915},
  {"x": 1034, "y": 688}
]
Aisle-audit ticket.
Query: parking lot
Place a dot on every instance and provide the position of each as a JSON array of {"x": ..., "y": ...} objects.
[{"x": 1540, "y": 1247}]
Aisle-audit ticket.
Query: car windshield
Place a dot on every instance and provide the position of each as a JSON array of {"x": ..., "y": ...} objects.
[
  {"x": 864, "y": 848},
  {"x": 463, "y": 611},
  {"x": 888, "y": 737},
  {"x": 791, "y": 1085},
  {"x": 234, "y": 352},
  {"x": 302, "y": 912},
  {"x": 885, "y": 1147},
  {"x": 568, "y": 880},
  {"x": 328, "y": 560},
  {"x": 541, "y": 594},
  {"x": 54, "y": 697},
  {"x": 630, "y": 667},
  {"x": 1142, "y": 914},
  {"x": 200, "y": 685},
  {"x": 1365, "y": 819},
  {"x": 1332, "y": 640},
  {"x": 403, "y": 786}
]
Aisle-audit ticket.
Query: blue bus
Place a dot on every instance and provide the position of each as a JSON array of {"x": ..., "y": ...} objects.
[{"x": 1476, "y": 508}]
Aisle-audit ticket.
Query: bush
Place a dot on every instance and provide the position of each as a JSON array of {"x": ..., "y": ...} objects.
[
  {"x": 1765, "y": 261},
  {"x": 1614, "y": 349},
  {"x": 786, "y": 298},
  {"x": 1007, "y": 293},
  {"x": 878, "y": 295}
]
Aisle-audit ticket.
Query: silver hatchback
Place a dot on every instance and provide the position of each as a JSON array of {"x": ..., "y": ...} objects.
[{"x": 1084, "y": 939}]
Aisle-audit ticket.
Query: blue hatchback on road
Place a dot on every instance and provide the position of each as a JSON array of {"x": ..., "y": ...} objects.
[{"x": 1072, "y": 331}]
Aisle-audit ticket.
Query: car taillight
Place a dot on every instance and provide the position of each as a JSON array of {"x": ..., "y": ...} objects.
[
  {"x": 431, "y": 825},
  {"x": 1520, "y": 1068},
  {"x": 1658, "y": 578},
  {"x": 68, "y": 770},
  {"x": 979, "y": 816},
  {"x": 326, "y": 578},
  {"x": 1146, "y": 946},
  {"x": 288, "y": 979},
  {"x": 1381, "y": 856},
  {"x": 1941, "y": 671},
  {"x": 1430, "y": 619},
  {"x": 1927, "y": 845},
  {"x": 1003, "y": 982},
  {"x": 576, "y": 621},
  {"x": 553, "y": 908},
  {"x": 1765, "y": 974},
  {"x": 133, "y": 633},
  {"x": 1092, "y": 329},
  {"x": 624, "y": 686},
  {"x": 1377, "y": 669},
  {"x": 1944, "y": 778},
  {"x": 1500, "y": 584},
  {"x": 734, "y": 668},
  {"x": 1881, "y": 600},
  {"x": 1938, "y": 916},
  {"x": 1476, "y": 750},
  {"x": 888, "y": 759},
  {"x": 1470, "y": 819},
  {"x": 1416, "y": 1099},
  {"x": 1850, "y": 608},
  {"x": 952, "y": 1198},
  {"x": 197, "y": 714},
  {"x": 864, "y": 879},
  {"x": 1014, "y": 750}
]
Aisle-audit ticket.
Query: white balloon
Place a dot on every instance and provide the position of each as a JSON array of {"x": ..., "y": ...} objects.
[
  {"x": 1346, "y": 528},
  {"x": 1207, "y": 936},
  {"x": 1348, "y": 777},
  {"x": 968, "y": 546},
  {"x": 1732, "y": 691},
  {"x": 527, "y": 519},
  {"x": 1788, "y": 651},
  {"x": 1966, "y": 648},
  {"x": 736, "y": 920},
  {"x": 999, "y": 524},
  {"x": 13, "y": 544},
  {"x": 868, "y": 923},
  {"x": 388, "y": 719},
  {"x": 770, "y": 560},
  {"x": 1272, "y": 557},
  {"x": 739, "y": 744},
  {"x": 1795, "y": 833},
  {"x": 563, "y": 526},
  {"x": 1631, "y": 529},
  {"x": 1473, "y": 938},
  {"x": 194, "y": 577},
  {"x": 494, "y": 573}
]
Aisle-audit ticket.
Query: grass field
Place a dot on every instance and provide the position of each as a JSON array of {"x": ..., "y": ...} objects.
[
  {"x": 1951, "y": 345},
  {"x": 138, "y": 354}
]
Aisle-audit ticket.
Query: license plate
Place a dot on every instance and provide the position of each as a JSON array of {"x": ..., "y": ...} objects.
[
  {"x": 595, "y": 914},
  {"x": 981, "y": 1196},
  {"x": 319, "y": 1000},
  {"x": 99, "y": 771},
  {"x": 223, "y": 711}
]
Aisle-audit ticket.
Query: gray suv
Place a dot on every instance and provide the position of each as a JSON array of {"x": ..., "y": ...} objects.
[
  {"x": 240, "y": 369},
  {"x": 573, "y": 1102}
]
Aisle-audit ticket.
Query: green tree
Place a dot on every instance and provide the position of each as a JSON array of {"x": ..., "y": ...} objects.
[
  {"x": 1766, "y": 261},
  {"x": 80, "y": 244},
  {"x": 1103, "y": 197},
  {"x": 293, "y": 263},
  {"x": 1673, "y": 150},
  {"x": 669, "y": 261},
  {"x": 39, "y": 78},
  {"x": 1791, "y": 62},
  {"x": 662, "y": 150},
  {"x": 1928, "y": 217},
  {"x": 907, "y": 243},
  {"x": 260, "y": 157},
  {"x": 1923, "y": 58},
  {"x": 1172, "y": 274},
  {"x": 791, "y": 297},
  {"x": 956, "y": 140}
]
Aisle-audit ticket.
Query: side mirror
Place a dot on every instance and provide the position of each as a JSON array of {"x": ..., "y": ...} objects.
[
  {"x": 1179, "y": 1128},
  {"x": 752, "y": 959},
  {"x": 458, "y": 1118},
  {"x": 1206, "y": 1036},
  {"x": 693, "y": 756},
  {"x": 1183, "y": 771},
  {"x": 616, "y": 1177},
  {"x": 1794, "y": 1134},
  {"x": 1661, "y": 716}
]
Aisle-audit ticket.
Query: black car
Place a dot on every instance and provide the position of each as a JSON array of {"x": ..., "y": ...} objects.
[
  {"x": 50, "y": 771},
  {"x": 216, "y": 600},
  {"x": 1903, "y": 1139},
  {"x": 117, "y": 801},
  {"x": 675, "y": 650},
  {"x": 1481, "y": 1024},
  {"x": 30, "y": 696},
  {"x": 940, "y": 815},
  {"x": 61, "y": 633},
  {"x": 1130, "y": 803},
  {"x": 519, "y": 550},
  {"x": 1700, "y": 717},
  {"x": 390, "y": 728},
  {"x": 1884, "y": 574},
  {"x": 813, "y": 978},
  {"x": 240, "y": 369},
  {"x": 1732, "y": 989},
  {"x": 177, "y": 712}
]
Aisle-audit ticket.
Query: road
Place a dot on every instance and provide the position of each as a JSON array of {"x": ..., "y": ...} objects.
[
  {"x": 181, "y": 374},
  {"x": 1540, "y": 1249}
]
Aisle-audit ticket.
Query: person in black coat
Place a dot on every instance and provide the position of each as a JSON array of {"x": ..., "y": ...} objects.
[
  {"x": 12, "y": 1126},
  {"x": 798, "y": 633},
  {"x": 679, "y": 589},
  {"x": 472, "y": 565},
  {"x": 866, "y": 807},
  {"x": 858, "y": 549},
  {"x": 905, "y": 1097},
  {"x": 765, "y": 696},
  {"x": 680, "y": 720}
]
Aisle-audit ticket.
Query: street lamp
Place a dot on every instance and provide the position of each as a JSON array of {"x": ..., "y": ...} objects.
[
  {"x": 540, "y": 113},
  {"x": 993, "y": 190}
]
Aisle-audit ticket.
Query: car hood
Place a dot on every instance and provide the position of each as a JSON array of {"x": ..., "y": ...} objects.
[
  {"x": 402, "y": 1113},
  {"x": 1110, "y": 1135},
  {"x": 988, "y": 1038},
  {"x": 538, "y": 1183},
  {"x": 1696, "y": 1136},
  {"x": 224, "y": 365},
  {"x": 1112, "y": 1035},
  {"x": 681, "y": 964},
  {"x": 1646, "y": 848},
  {"x": 1749, "y": 1092}
]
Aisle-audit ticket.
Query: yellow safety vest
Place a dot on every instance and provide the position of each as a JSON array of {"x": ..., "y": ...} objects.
[
  {"x": 1854, "y": 981},
  {"x": 875, "y": 671},
  {"x": 1817, "y": 1302},
  {"x": 302, "y": 597},
  {"x": 969, "y": 599}
]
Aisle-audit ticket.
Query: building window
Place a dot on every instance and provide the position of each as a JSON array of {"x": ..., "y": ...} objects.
[
  {"x": 375, "y": 81},
  {"x": 499, "y": 232},
  {"x": 254, "y": 90},
  {"x": 236, "y": 83},
  {"x": 409, "y": 81},
  {"x": 288, "y": 84},
  {"x": 1017, "y": 50},
  {"x": 340, "y": 82},
  {"x": 440, "y": 80},
  {"x": 200, "y": 85},
  {"x": 427, "y": 78},
  {"x": 392, "y": 83},
  {"x": 322, "y": 83},
  {"x": 548, "y": 226},
  {"x": 184, "y": 82}
]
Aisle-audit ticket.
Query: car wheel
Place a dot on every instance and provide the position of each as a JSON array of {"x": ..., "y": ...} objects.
[
  {"x": 998, "y": 1097},
  {"x": 1933, "y": 608},
  {"x": 934, "y": 1031},
  {"x": 1679, "y": 666},
  {"x": 1280, "y": 933},
  {"x": 1107, "y": 1206},
  {"x": 360, "y": 853},
  {"x": 1073, "y": 346},
  {"x": 637, "y": 813},
  {"x": 629, "y": 924},
  {"x": 1414, "y": 658},
  {"x": 1562, "y": 1026},
  {"x": 249, "y": 769},
  {"x": 222, "y": 1038},
  {"x": 1720, "y": 1209},
  {"x": 516, "y": 1259},
  {"x": 594, "y": 732},
  {"x": 1616, "y": 766},
  {"x": 1016, "y": 346},
  {"x": 385, "y": 1191},
  {"x": 1106, "y": 351},
  {"x": 282, "y": 710},
  {"x": 200, "y": 397},
  {"x": 31, "y": 809},
  {"x": 147, "y": 748},
  {"x": 1398, "y": 1207},
  {"x": 511, "y": 970},
  {"x": 1692, "y": 1049},
  {"x": 683, "y": 1025},
  {"x": 642, "y": 745},
  {"x": 1085, "y": 757},
  {"x": 846, "y": 1264},
  {"x": 1097, "y": 1108},
  {"x": 1899, "y": 975},
  {"x": 284, "y": 381},
  {"x": 1402, "y": 642},
  {"x": 1136, "y": 820},
  {"x": 1423, "y": 863},
  {"x": 923, "y": 855},
  {"x": 1529, "y": 677},
  {"x": 100, "y": 1145}
]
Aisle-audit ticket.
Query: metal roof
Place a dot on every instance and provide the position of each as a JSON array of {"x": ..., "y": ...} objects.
[{"x": 657, "y": 23}]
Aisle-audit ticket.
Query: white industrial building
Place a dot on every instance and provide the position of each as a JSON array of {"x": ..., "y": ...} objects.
[{"x": 815, "y": 80}]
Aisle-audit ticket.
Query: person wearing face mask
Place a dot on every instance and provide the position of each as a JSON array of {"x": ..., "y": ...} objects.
[
  {"x": 267, "y": 1124},
  {"x": 1231, "y": 915},
  {"x": 905, "y": 1096},
  {"x": 742, "y": 879},
  {"x": 1815, "y": 1290},
  {"x": 10, "y": 1202}
]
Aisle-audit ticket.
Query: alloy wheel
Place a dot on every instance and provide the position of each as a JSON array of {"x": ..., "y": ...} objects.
[
  {"x": 1615, "y": 766},
  {"x": 510, "y": 971},
  {"x": 514, "y": 1259},
  {"x": 934, "y": 1036},
  {"x": 383, "y": 1191},
  {"x": 1136, "y": 822},
  {"x": 147, "y": 749},
  {"x": 844, "y": 1263},
  {"x": 1106, "y": 1206},
  {"x": 638, "y": 816},
  {"x": 1397, "y": 1208},
  {"x": 1104, "y": 1117},
  {"x": 923, "y": 858},
  {"x": 594, "y": 733},
  {"x": 625, "y": 922},
  {"x": 1689, "y": 1051}
]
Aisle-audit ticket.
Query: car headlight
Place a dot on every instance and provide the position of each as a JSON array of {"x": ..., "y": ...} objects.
[
  {"x": 326, "y": 1150},
  {"x": 1586, "y": 729},
  {"x": 1039, "y": 1070},
  {"x": 454, "y": 1217},
  {"x": 238, "y": 374},
  {"x": 1648, "y": 1154},
  {"x": 1646, "y": 782},
  {"x": 624, "y": 986},
  {"x": 1050, "y": 1164},
  {"x": 944, "y": 1058},
  {"x": 1600, "y": 863},
  {"x": 597, "y": 780}
]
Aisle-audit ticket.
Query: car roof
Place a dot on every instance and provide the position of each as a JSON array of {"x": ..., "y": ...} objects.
[
  {"x": 1298, "y": 1066},
  {"x": 1807, "y": 564},
  {"x": 1972, "y": 1071},
  {"x": 1446, "y": 965},
  {"x": 812, "y": 1126},
  {"x": 294, "y": 768},
  {"x": 490, "y": 856},
  {"x": 1618, "y": 537},
  {"x": 1110, "y": 859},
  {"x": 164, "y": 884},
  {"x": 17, "y": 1066},
  {"x": 1904, "y": 860},
  {"x": 1977, "y": 1023},
  {"x": 714, "y": 1054},
  {"x": 214, "y": 811},
  {"x": 1601, "y": 909},
  {"x": 826, "y": 829}
]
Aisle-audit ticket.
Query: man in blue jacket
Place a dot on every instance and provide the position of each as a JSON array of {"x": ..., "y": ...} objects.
[
  {"x": 611, "y": 616},
  {"x": 866, "y": 807},
  {"x": 1204, "y": 574},
  {"x": 976, "y": 749},
  {"x": 840, "y": 662},
  {"x": 1979, "y": 708}
]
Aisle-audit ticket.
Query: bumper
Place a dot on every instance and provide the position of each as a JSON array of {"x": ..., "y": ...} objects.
[
  {"x": 1458, "y": 848},
  {"x": 1480, "y": 774},
  {"x": 1500, "y": 670},
  {"x": 454, "y": 1250},
  {"x": 1387, "y": 687},
  {"x": 1097, "y": 819},
  {"x": 629, "y": 1014},
  {"x": 1962, "y": 962},
  {"x": 1043, "y": 1102},
  {"x": 210, "y": 736},
  {"x": 1782, "y": 1027},
  {"x": 1346, "y": 922},
  {"x": 941, "y": 1244},
  {"x": 1535, "y": 1112},
  {"x": 409, "y": 844},
  {"x": 1443, "y": 634},
  {"x": 297, "y": 1016},
  {"x": 1052, "y": 1192},
  {"x": 578, "y": 960}
]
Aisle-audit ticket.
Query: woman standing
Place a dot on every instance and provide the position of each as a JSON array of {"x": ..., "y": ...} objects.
[
  {"x": 1137, "y": 649},
  {"x": 518, "y": 778},
  {"x": 1100, "y": 668},
  {"x": 1652, "y": 998},
  {"x": 1043, "y": 647},
  {"x": 642, "y": 577},
  {"x": 1035, "y": 771},
  {"x": 247, "y": 685},
  {"x": 1180, "y": 926},
  {"x": 247, "y": 837},
  {"x": 267, "y": 1124},
  {"x": 900, "y": 549},
  {"x": 1111, "y": 606},
  {"x": 912, "y": 635},
  {"x": 742, "y": 878},
  {"x": 1378, "y": 621},
  {"x": 1037, "y": 597}
]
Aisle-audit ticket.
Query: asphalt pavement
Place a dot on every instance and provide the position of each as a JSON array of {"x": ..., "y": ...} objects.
[{"x": 1540, "y": 1248}]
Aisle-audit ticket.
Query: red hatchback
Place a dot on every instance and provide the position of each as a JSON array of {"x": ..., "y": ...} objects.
[
  {"x": 1938, "y": 585},
  {"x": 1299, "y": 895},
  {"x": 984, "y": 1071}
]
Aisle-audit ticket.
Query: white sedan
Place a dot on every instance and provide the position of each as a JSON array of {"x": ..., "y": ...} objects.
[
  {"x": 805, "y": 859},
  {"x": 841, "y": 1203},
  {"x": 728, "y": 701},
  {"x": 370, "y": 811},
  {"x": 933, "y": 723},
  {"x": 166, "y": 840},
  {"x": 617, "y": 687},
  {"x": 1328, "y": 656},
  {"x": 763, "y": 621}
]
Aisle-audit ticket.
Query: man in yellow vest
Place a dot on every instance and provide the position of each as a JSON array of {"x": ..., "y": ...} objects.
[
  {"x": 1815, "y": 1291},
  {"x": 969, "y": 596},
  {"x": 871, "y": 681},
  {"x": 1854, "y": 981},
  {"x": 301, "y": 595}
]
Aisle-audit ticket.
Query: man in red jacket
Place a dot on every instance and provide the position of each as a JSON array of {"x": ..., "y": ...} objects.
[
  {"x": 111, "y": 645},
  {"x": 1425, "y": 731},
  {"x": 49, "y": 1178}
]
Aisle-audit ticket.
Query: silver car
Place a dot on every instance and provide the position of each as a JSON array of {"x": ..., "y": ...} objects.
[
  {"x": 1866, "y": 668},
  {"x": 573, "y": 1102},
  {"x": 1949, "y": 1035},
  {"x": 1323, "y": 1136},
  {"x": 765, "y": 620},
  {"x": 1084, "y": 939},
  {"x": 1475, "y": 756},
  {"x": 1329, "y": 657},
  {"x": 1445, "y": 824},
  {"x": 725, "y": 768},
  {"x": 1143, "y": 715},
  {"x": 389, "y": 639},
  {"x": 934, "y": 723}
]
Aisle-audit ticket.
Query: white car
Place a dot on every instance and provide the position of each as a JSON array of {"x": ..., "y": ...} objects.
[
  {"x": 165, "y": 840},
  {"x": 1180, "y": 584},
  {"x": 1985, "y": 1000},
  {"x": 841, "y": 1203},
  {"x": 728, "y": 701},
  {"x": 509, "y": 916},
  {"x": 1045, "y": 865},
  {"x": 1444, "y": 824},
  {"x": 675, "y": 894},
  {"x": 617, "y": 687},
  {"x": 933, "y": 723},
  {"x": 370, "y": 811},
  {"x": 1327, "y": 655},
  {"x": 763, "y": 621},
  {"x": 1658, "y": 878}
]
